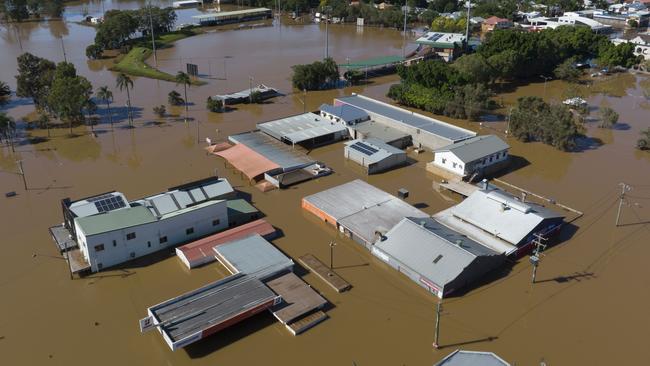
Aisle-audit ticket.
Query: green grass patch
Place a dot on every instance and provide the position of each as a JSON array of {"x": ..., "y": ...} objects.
[{"x": 134, "y": 64}]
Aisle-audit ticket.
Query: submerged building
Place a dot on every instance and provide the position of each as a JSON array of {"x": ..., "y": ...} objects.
[
  {"x": 374, "y": 155},
  {"x": 425, "y": 132},
  {"x": 110, "y": 230},
  {"x": 476, "y": 156},
  {"x": 434, "y": 256},
  {"x": 307, "y": 129},
  {"x": 500, "y": 221},
  {"x": 472, "y": 358}
]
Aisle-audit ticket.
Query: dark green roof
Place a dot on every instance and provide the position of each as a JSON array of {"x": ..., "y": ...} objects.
[
  {"x": 115, "y": 220},
  {"x": 372, "y": 62},
  {"x": 240, "y": 206}
]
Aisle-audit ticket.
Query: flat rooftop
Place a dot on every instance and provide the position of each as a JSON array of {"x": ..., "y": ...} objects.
[
  {"x": 408, "y": 118},
  {"x": 275, "y": 151},
  {"x": 253, "y": 255},
  {"x": 441, "y": 40},
  {"x": 298, "y": 298},
  {"x": 372, "y": 150},
  {"x": 210, "y": 307},
  {"x": 372, "y": 129},
  {"x": 301, "y": 127}
]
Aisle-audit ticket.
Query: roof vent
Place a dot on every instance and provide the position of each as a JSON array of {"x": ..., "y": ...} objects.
[{"x": 459, "y": 242}]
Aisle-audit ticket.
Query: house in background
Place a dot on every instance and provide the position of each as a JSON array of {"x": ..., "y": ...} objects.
[
  {"x": 447, "y": 46},
  {"x": 641, "y": 44},
  {"x": 493, "y": 23},
  {"x": 471, "y": 158},
  {"x": 109, "y": 230}
]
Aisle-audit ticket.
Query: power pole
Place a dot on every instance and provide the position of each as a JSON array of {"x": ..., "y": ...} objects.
[
  {"x": 22, "y": 173},
  {"x": 404, "y": 41},
  {"x": 153, "y": 39},
  {"x": 67, "y": 256},
  {"x": 534, "y": 259},
  {"x": 250, "y": 91},
  {"x": 65, "y": 58},
  {"x": 304, "y": 101},
  {"x": 436, "y": 343},
  {"x": 198, "y": 131},
  {"x": 332, "y": 244},
  {"x": 469, "y": 7},
  {"x": 624, "y": 188}
]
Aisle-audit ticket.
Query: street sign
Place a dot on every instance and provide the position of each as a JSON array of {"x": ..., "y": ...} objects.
[{"x": 193, "y": 69}]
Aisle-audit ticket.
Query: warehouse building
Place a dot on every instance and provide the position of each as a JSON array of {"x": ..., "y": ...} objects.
[
  {"x": 426, "y": 132},
  {"x": 500, "y": 221},
  {"x": 469, "y": 159},
  {"x": 359, "y": 210},
  {"x": 307, "y": 129},
  {"x": 434, "y": 256},
  {"x": 109, "y": 230},
  {"x": 253, "y": 255},
  {"x": 344, "y": 114},
  {"x": 374, "y": 155}
]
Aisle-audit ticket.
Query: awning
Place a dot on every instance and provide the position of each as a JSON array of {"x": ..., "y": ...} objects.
[{"x": 247, "y": 161}]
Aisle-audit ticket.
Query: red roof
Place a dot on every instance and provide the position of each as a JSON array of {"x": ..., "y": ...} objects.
[
  {"x": 247, "y": 160},
  {"x": 200, "y": 251},
  {"x": 494, "y": 20}
]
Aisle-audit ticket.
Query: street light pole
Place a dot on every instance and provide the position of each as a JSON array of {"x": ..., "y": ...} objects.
[
  {"x": 404, "y": 40},
  {"x": 153, "y": 39},
  {"x": 546, "y": 78},
  {"x": 332, "y": 244},
  {"x": 436, "y": 335},
  {"x": 250, "y": 91}
]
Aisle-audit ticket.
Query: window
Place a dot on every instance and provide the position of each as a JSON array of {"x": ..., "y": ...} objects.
[
  {"x": 163, "y": 239},
  {"x": 130, "y": 236},
  {"x": 444, "y": 161},
  {"x": 189, "y": 231},
  {"x": 149, "y": 244},
  {"x": 100, "y": 266},
  {"x": 114, "y": 243},
  {"x": 216, "y": 222},
  {"x": 99, "y": 248},
  {"x": 454, "y": 165}
]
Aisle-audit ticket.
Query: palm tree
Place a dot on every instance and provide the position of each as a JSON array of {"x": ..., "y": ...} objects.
[
  {"x": 184, "y": 78},
  {"x": 7, "y": 129},
  {"x": 123, "y": 81},
  {"x": 91, "y": 108},
  {"x": 106, "y": 95}
]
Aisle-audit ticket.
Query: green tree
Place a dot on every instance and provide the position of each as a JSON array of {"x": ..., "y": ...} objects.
[
  {"x": 567, "y": 71},
  {"x": 116, "y": 29},
  {"x": 16, "y": 10},
  {"x": 34, "y": 78},
  {"x": 215, "y": 105},
  {"x": 608, "y": 117},
  {"x": 94, "y": 52},
  {"x": 7, "y": 129},
  {"x": 5, "y": 93},
  {"x": 622, "y": 54},
  {"x": 315, "y": 76},
  {"x": 69, "y": 95},
  {"x": 106, "y": 95},
  {"x": 174, "y": 98},
  {"x": 184, "y": 78},
  {"x": 160, "y": 111},
  {"x": 475, "y": 68},
  {"x": 444, "y": 24},
  {"x": 642, "y": 143},
  {"x": 123, "y": 81}
]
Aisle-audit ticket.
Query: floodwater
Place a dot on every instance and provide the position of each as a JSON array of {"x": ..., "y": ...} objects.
[{"x": 593, "y": 286}]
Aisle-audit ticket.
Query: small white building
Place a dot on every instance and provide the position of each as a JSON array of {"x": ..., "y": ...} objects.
[
  {"x": 110, "y": 230},
  {"x": 641, "y": 44},
  {"x": 344, "y": 114},
  {"x": 478, "y": 155},
  {"x": 374, "y": 155}
]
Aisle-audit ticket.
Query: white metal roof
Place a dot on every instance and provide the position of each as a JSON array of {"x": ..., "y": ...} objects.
[
  {"x": 372, "y": 150},
  {"x": 301, "y": 127},
  {"x": 476, "y": 148},
  {"x": 253, "y": 255},
  {"x": 472, "y": 358}
]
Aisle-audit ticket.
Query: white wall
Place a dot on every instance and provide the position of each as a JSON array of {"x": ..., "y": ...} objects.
[
  {"x": 148, "y": 236},
  {"x": 450, "y": 162}
]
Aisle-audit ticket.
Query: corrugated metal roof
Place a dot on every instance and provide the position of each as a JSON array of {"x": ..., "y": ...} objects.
[
  {"x": 379, "y": 131},
  {"x": 301, "y": 127},
  {"x": 247, "y": 160},
  {"x": 501, "y": 214},
  {"x": 240, "y": 206},
  {"x": 431, "y": 249},
  {"x": 253, "y": 255},
  {"x": 476, "y": 148},
  {"x": 279, "y": 153},
  {"x": 115, "y": 220},
  {"x": 472, "y": 358},
  {"x": 399, "y": 115},
  {"x": 378, "y": 150},
  {"x": 442, "y": 40},
  {"x": 345, "y": 112}
]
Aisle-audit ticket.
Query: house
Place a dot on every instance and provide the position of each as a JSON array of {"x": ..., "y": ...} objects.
[
  {"x": 110, "y": 230},
  {"x": 447, "y": 46},
  {"x": 374, "y": 155},
  {"x": 641, "y": 44},
  {"x": 494, "y": 22},
  {"x": 359, "y": 210},
  {"x": 425, "y": 132},
  {"x": 501, "y": 221},
  {"x": 434, "y": 256},
  {"x": 571, "y": 19},
  {"x": 474, "y": 157},
  {"x": 473, "y": 358}
]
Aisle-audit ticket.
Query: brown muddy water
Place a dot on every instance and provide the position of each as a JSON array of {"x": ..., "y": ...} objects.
[{"x": 590, "y": 306}]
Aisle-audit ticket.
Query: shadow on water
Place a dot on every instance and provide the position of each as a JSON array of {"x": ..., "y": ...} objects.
[
  {"x": 457, "y": 344},
  {"x": 586, "y": 143},
  {"x": 421, "y": 205},
  {"x": 515, "y": 163},
  {"x": 236, "y": 332},
  {"x": 16, "y": 102},
  {"x": 119, "y": 113},
  {"x": 577, "y": 277},
  {"x": 621, "y": 126}
]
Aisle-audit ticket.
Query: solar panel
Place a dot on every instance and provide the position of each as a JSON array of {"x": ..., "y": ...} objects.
[
  {"x": 368, "y": 147},
  {"x": 98, "y": 198},
  {"x": 361, "y": 149},
  {"x": 435, "y": 37},
  {"x": 108, "y": 203}
]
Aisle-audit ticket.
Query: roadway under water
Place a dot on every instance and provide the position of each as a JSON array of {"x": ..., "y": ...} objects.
[{"x": 593, "y": 287}]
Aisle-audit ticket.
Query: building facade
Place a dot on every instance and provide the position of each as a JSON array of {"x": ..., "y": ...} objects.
[
  {"x": 477, "y": 156},
  {"x": 493, "y": 23},
  {"x": 374, "y": 155}
]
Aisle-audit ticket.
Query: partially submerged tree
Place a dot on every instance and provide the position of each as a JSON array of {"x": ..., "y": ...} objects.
[
  {"x": 160, "y": 111},
  {"x": 123, "y": 81},
  {"x": 5, "y": 93},
  {"x": 215, "y": 105},
  {"x": 184, "y": 78},
  {"x": 7, "y": 129},
  {"x": 315, "y": 76},
  {"x": 608, "y": 117},
  {"x": 174, "y": 98},
  {"x": 34, "y": 79}
]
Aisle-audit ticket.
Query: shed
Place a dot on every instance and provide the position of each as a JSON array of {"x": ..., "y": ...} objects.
[
  {"x": 434, "y": 256},
  {"x": 374, "y": 155},
  {"x": 343, "y": 113},
  {"x": 253, "y": 255},
  {"x": 241, "y": 212}
]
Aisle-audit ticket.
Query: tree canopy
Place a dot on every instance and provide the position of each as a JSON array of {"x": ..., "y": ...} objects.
[
  {"x": 315, "y": 76},
  {"x": 34, "y": 78},
  {"x": 69, "y": 94},
  {"x": 120, "y": 25}
]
